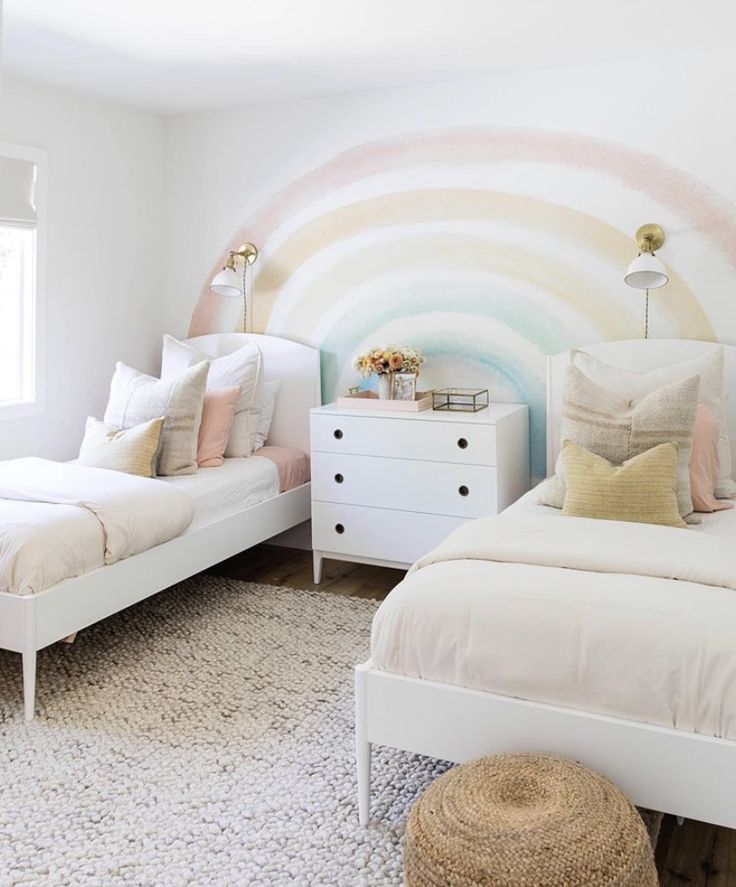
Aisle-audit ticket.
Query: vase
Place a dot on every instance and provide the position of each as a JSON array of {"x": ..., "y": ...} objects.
[{"x": 384, "y": 386}]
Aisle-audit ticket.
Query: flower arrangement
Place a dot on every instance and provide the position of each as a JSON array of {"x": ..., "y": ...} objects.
[{"x": 389, "y": 359}]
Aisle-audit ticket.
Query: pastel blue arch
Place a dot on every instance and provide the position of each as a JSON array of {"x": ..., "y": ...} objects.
[
  {"x": 535, "y": 323},
  {"x": 499, "y": 360},
  {"x": 477, "y": 298}
]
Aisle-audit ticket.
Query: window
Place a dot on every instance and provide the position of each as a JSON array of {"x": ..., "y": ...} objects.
[
  {"x": 17, "y": 301},
  {"x": 20, "y": 237}
]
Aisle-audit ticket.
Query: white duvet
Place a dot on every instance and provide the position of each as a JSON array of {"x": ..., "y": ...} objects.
[
  {"x": 59, "y": 520},
  {"x": 631, "y": 620}
]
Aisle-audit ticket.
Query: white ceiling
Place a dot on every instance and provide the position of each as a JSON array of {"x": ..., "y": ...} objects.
[{"x": 184, "y": 55}]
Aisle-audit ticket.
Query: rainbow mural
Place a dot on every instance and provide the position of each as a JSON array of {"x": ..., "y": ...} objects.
[{"x": 487, "y": 248}]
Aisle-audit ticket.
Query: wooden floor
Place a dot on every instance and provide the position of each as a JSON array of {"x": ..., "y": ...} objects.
[
  {"x": 293, "y": 568},
  {"x": 690, "y": 855}
]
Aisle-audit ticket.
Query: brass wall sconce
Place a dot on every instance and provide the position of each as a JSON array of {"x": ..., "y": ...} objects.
[
  {"x": 229, "y": 283},
  {"x": 647, "y": 271}
]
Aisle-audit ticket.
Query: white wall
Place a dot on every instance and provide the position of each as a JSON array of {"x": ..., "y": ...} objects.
[
  {"x": 536, "y": 263},
  {"x": 223, "y": 165},
  {"x": 104, "y": 264}
]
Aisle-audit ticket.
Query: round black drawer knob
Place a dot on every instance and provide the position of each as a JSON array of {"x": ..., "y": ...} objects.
[
  {"x": 337, "y": 433},
  {"x": 463, "y": 443},
  {"x": 463, "y": 490},
  {"x": 339, "y": 528},
  {"x": 339, "y": 478}
]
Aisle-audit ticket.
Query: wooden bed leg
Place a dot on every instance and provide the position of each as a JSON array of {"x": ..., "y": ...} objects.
[
  {"x": 362, "y": 747},
  {"x": 29, "y": 683},
  {"x": 317, "y": 561}
]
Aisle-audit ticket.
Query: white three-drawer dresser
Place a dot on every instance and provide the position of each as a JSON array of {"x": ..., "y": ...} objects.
[{"x": 387, "y": 487}]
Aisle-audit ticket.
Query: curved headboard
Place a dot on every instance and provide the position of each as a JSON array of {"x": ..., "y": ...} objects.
[
  {"x": 638, "y": 356},
  {"x": 295, "y": 366}
]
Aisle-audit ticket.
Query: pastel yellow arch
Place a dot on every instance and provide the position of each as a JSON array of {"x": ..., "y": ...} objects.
[
  {"x": 408, "y": 208},
  {"x": 453, "y": 252}
]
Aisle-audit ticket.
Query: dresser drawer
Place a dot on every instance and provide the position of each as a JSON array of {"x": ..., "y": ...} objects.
[
  {"x": 377, "y": 533},
  {"x": 437, "y": 441},
  {"x": 432, "y": 487}
]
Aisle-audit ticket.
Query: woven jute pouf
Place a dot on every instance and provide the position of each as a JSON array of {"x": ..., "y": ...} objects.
[{"x": 526, "y": 820}]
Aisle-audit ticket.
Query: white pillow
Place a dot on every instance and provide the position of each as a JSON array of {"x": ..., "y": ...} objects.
[
  {"x": 242, "y": 367},
  {"x": 268, "y": 407},
  {"x": 635, "y": 386}
]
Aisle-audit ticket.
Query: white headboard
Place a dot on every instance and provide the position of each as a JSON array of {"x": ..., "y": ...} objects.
[
  {"x": 295, "y": 366},
  {"x": 638, "y": 356}
]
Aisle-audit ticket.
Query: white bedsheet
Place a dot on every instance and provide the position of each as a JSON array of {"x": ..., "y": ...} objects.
[
  {"x": 219, "y": 492},
  {"x": 653, "y": 649},
  {"x": 719, "y": 523},
  {"x": 59, "y": 520}
]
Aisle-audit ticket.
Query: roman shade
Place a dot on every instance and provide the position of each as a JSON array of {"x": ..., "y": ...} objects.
[{"x": 17, "y": 190}]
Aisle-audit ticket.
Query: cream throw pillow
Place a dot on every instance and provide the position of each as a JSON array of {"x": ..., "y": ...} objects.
[
  {"x": 643, "y": 489},
  {"x": 136, "y": 398},
  {"x": 134, "y": 451},
  {"x": 635, "y": 386},
  {"x": 241, "y": 368},
  {"x": 617, "y": 429}
]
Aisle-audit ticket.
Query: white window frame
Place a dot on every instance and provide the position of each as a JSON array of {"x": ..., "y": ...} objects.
[{"x": 35, "y": 314}]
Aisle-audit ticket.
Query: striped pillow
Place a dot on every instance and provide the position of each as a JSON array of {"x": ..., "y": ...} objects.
[
  {"x": 643, "y": 489},
  {"x": 630, "y": 385},
  {"x": 241, "y": 368},
  {"x": 136, "y": 398},
  {"x": 134, "y": 451},
  {"x": 617, "y": 429}
]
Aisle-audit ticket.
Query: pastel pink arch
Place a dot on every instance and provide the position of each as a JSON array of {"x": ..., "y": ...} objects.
[{"x": 707, "y": 211}]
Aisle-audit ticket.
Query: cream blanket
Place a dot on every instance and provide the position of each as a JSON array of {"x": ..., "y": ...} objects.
[
  {"x": 594, "y": 545},
  {"x": 580, "y": 613},
  {"x": 59, "y": 520}
]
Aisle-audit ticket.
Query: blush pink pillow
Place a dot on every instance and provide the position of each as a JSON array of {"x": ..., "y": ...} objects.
[
  {"x": 704, "y": 464},
  {"x": 218, "y": 411}
]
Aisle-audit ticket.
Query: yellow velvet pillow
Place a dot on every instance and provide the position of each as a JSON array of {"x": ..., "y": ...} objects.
[
  {"x": 133, "y": 451},
  {"x": 643, "y": 489}
]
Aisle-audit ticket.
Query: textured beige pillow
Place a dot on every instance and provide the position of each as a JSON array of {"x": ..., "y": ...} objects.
[
  {"x": 618, "y": 429},
  {"x": 240, "y": 368},
  {"x": 136, "y": 398},
  {"x": 134, "y": 451},
  {"x": 643, "y": 489},
  {"x": 634, "y": 386}
]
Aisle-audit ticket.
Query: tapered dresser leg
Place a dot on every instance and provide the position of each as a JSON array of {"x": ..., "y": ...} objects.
[{"x": 317, "y": 561}]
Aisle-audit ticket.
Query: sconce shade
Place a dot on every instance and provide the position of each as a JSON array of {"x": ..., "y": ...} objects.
[
  {"x": 227, "y": 283},
  {"x": 646, "y": 272}
]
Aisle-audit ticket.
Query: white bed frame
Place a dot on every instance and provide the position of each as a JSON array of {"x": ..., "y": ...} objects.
[
  {"x": 28, "y": 624},
  {"x": 687, "y": 774}
]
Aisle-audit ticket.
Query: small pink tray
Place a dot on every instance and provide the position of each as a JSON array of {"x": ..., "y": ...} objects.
[{"x": 368, "y": 400}]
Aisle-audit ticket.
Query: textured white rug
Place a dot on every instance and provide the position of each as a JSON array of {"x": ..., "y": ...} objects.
[{"x": 202, "y": 737}]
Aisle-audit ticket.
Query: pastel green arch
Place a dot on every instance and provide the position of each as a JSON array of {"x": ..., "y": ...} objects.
[
  {"x": 496, "y": 351},
  {"x": 415, "y": 298},
  {"x": 454, "y": 252}
]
